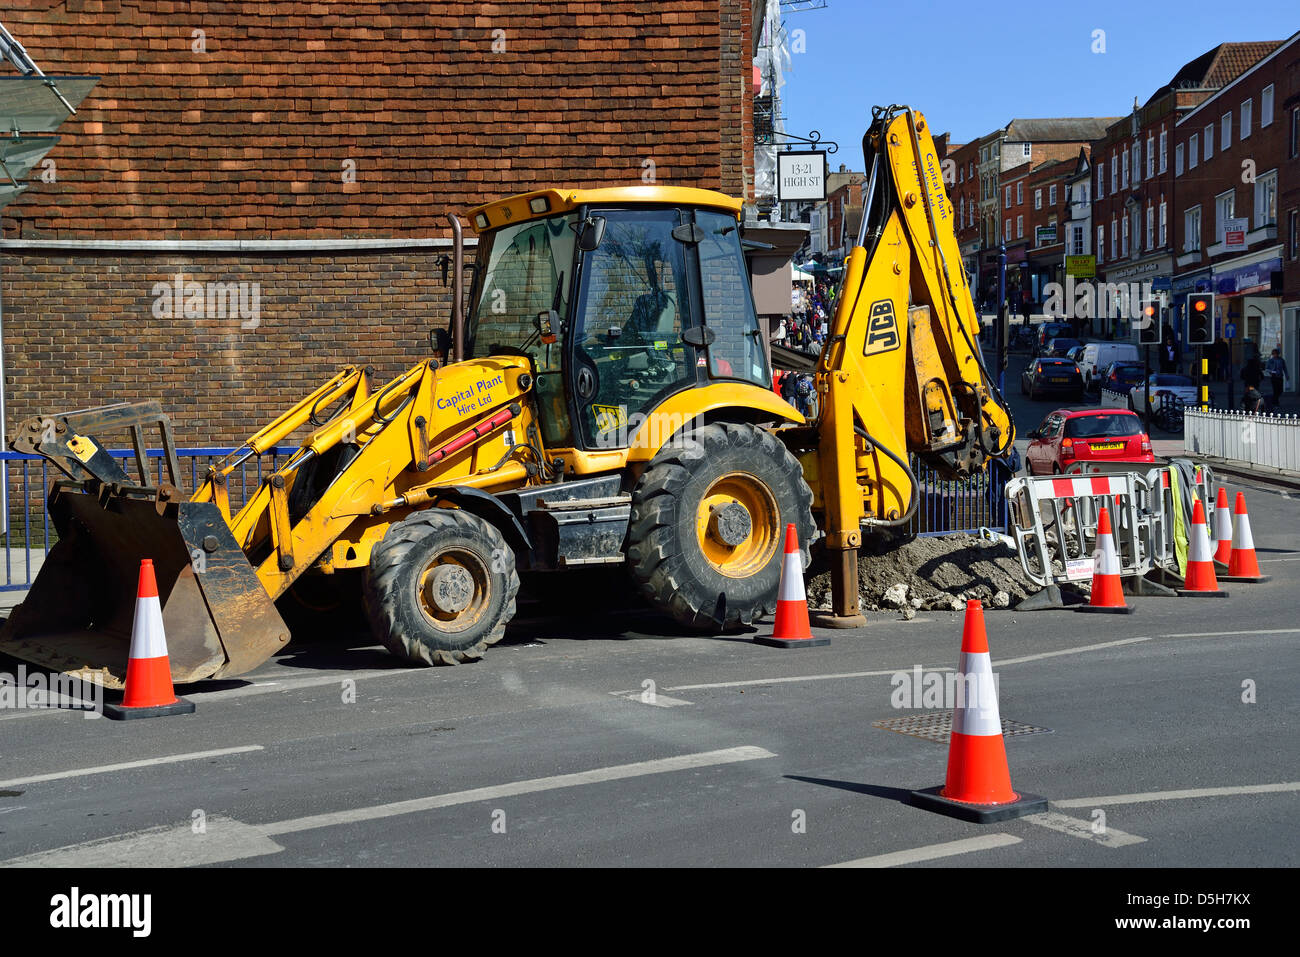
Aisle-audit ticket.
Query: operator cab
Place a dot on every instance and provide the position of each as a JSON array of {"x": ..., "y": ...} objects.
[{"x": 621, "y": 298}]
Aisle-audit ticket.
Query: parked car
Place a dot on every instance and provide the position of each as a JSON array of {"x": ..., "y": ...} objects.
[
  {"x": 1060, "y": 347},
  {"x": 1162, "y": 384},
  {"x": 1047, "y": 332},
  {"x": 1087, "y": 435},
  {"x": 1051, "y": 376},
  {"x": 1075, "y": 354},
  {"x": 1098, "y": 355},
  {"x": 1121, "y": 377}
]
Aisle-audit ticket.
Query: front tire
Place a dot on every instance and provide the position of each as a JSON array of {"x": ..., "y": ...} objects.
[
  {"x": 441, "y": 587},
  {"x": 706, "y": 539}
]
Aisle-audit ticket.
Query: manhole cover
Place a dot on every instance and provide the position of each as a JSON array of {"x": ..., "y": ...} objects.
[{"x": 936, "y": 726}]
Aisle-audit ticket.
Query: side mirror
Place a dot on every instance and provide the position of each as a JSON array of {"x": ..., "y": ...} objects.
[
  {"x": 590, "y": 233},
  {"x": 545, "y": 324}
]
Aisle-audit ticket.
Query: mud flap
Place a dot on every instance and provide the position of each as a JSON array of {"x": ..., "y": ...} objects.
[{"x": 77, "y": 617}]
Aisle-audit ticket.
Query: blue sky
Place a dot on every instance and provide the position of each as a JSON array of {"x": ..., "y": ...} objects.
[{"x": 971, "y": 67}]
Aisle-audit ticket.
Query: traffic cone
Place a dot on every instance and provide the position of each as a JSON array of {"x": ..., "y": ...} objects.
[
  {"x": 149, "y": 692},
  {"x": 978, "y": 783},
  {"x": 1107, "y": 589},
  {"x": 1222, "y": 528},
  {"x": 1200, "y": 581},
  {"x": 792, "y": 629},
  {"x": 1243, "y": 566}
]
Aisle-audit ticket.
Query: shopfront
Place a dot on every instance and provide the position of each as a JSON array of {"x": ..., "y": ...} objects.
[{"x": 1243, "y": 296}]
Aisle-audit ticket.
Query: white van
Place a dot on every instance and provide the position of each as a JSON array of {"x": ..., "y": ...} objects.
[{"x": 1098, "y": 355}]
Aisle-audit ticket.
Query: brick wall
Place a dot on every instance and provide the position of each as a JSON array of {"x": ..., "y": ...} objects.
[
  {"x": 247, "y": 128},
  {"x": 82, "y": 331}
]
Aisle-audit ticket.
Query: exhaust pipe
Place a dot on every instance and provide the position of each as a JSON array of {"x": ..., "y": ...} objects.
[{"x": 457, "y": 291}]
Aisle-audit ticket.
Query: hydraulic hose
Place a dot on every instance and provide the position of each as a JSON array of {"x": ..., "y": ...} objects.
[{"x": 911, "y": 476}]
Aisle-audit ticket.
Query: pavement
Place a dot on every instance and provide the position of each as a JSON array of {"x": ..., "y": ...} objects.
[{"x": 598, "y": 734}]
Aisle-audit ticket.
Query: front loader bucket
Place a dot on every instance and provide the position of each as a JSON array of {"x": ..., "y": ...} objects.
[{"x": 77, "y": 617}]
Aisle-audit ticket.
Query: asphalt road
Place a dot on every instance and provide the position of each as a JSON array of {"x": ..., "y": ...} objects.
[{"x": 551, "y": 752}]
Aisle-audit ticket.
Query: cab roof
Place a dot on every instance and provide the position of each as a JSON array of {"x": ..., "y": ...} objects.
[{"x": 548, "y": 202}]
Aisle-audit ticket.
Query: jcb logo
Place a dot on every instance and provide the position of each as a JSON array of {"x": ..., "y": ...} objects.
[{"x": 882, "y": 329}]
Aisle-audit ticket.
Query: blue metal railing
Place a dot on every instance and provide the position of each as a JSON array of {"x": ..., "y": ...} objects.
[
  {"x": 27, "y": 528},
  {"x": 960, "y": 505}
]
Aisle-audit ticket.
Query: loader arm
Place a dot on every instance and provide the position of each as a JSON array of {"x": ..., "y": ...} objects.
[{"x": 901, "y": 372}]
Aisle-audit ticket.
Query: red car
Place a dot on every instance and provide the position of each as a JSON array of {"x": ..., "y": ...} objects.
[{"x": 1090, "y": 435}]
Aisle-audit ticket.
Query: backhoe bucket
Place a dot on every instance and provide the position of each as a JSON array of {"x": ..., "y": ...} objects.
[{"x": 77, "y": 617}]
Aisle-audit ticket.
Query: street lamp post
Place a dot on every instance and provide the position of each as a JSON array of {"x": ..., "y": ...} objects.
[{"x": 1004, "y": 319}]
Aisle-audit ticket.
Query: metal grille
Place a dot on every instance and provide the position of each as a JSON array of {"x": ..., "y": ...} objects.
[{"x": 936, "y": 726}]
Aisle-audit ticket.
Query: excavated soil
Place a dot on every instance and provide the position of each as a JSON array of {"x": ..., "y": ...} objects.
[{"x": 939, "y": 572}]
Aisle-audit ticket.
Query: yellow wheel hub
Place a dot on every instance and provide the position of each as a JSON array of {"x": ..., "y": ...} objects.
[
  {"x": 738, "y": 525},
  {"x": 454, "y": 589}
]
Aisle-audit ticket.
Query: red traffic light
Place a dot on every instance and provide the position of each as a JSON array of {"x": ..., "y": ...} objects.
[{"x": 1198, "y": 305}]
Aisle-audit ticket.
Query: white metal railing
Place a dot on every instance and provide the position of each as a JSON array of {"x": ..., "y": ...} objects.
[
  {"x": 1113, "y": 400},
  {"x": 1272, "y": 441}
]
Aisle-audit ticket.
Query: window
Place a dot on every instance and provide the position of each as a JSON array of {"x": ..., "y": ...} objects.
[
  {"x": 1101, "y": 242},
  {"x": 1293, "y": 233},
  {"x": 1209, "y": 140},
  {"x": 1151, "y": 227},
  {"x": 1020, "y": 227},
  {"x": 1245, "y": 119},
  {"x": 1038, "y": 199},
  {"x": 1151, "y": 156},
  {"x": 1051, "y": 196},
  {"x": 1101, "y": 170},
  {"x": 961, "y": 175},
  {"x": 1224, "y": 204},
  {"x": 1164, "y": 221},
  {"x": 1020, "y": 194},
  {"x": 1006, "y": 229},
  {"x": 1007, "y": 197},
  {"x": 1192, "y": 230},
  {"x": 1123, "y": 243},
  {"x": 1178, "y": 160},
  {"x": 1135, "y": 228},
  {"x": 1114, "y": 174},
  {"x": 1266, "y": 199},
  {"x": 1027, "y": 149},
  {"x": 1192, "y": 150},
  {"x": 1295, "y": 133},
  {"x": 1266, "y": 107},
  {"x": 1114, "y": 233},
  {"x": 1137, "y": 162},
  {"x": 1123, "y": 176},
  {"x": 1225, "y": 131},
  {"x": 1164, "y": 142},
  {"x": 1076, "y": 240}
]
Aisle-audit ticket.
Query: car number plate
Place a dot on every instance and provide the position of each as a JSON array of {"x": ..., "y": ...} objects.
[
  {"x": 1107, "y": 446},
  {"x": 1058, "y": 378}
]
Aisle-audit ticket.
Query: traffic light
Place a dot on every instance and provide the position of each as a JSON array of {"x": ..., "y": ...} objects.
[
  {"x": 1200, "y": 319},
  {"x": 1149, "y": 323}
]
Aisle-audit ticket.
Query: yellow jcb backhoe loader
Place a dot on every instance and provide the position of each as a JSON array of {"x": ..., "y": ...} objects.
[{"x": 608, "y": 400}]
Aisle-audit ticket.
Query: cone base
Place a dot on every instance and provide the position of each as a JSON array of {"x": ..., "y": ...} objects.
[
  {"x": 1186, "y": 593},
  {"x": 792, "y": 642},
  {"x": 1109, "y": 609},
  {"x": 123, "y": 713},
  {"x": 827, "y": 619},
  {"x": 931, "y": 800},
  {"x": 1244, "y": 578}
]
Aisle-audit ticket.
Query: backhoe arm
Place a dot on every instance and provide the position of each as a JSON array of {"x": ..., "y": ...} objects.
[{"x": 902, "y": 371}]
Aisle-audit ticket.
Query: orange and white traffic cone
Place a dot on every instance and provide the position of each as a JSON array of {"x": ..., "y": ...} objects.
[
  {"x": 1243, "y": 566},
  {"x": 1107, "y": 588},
  {"x": 792, "y": 628},
  {"x": 149, "y": 692},
  {"x": 1222, "y": 528},
  {"x": 978, "y": 784},
  {"x": 1200, "y": 580}
]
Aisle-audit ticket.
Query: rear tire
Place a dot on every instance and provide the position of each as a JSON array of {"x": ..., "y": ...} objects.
[
  {"x": 678, "y": 552},
  {"x": 441, "y": 587}
]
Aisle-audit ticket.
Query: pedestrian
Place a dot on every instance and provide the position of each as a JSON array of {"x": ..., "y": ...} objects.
[
  {"x": 1252, "y": 374},
  {"x": 1222, "y": 359},
  {"x": 1252, "y": 401},
  {"x": 1275, "y": 368},
  {"x": 1168, "y": 356}
]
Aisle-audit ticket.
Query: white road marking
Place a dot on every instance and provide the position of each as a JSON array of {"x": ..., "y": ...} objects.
[
  {"x": 128, "y": 765},
  {"x": 1001, "y": 663},
  {"x": 657, "y": 700},
  {"x": 1220, "y": 634},
  {"x": 293, "y": 684},
  {"x": 1110, "y": 837},
  {"x": 1150, "y": 796},
  {"x": 1279, "y": 560},
  {"x": 595, "y": 776},
  {"x": 223, "y": 839},
  {"x": 173, "y": 845},
  {"x": 778, "y": 681},
  {"x": 933, "y": 852}
]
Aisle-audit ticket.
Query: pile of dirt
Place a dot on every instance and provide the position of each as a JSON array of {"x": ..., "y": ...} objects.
[{"x": 928, "y": 573}]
